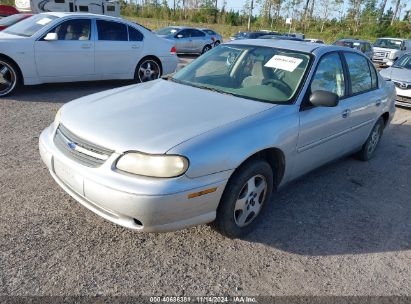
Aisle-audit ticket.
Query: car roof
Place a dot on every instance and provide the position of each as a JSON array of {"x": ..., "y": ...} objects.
[
  {"x": 352, "y": 40},
  {"x": 301, "y": 46},
  {"x": 77, "y": 14}
]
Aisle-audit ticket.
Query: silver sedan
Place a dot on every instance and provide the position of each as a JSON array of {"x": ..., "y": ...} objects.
[
  {"x": 212, "y": 143},
  {"x": 187, "y": 39}
]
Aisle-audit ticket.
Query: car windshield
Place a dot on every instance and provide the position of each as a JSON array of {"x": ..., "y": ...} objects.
[
  {"x": 260, "y": 73},
  {"x": 167, "y": 31},
  {"x": 7, "y": 21},
  {"x": 28, "y": 27},
  {"x": 403, "y": 62},
  {"x": 388, "y": 44}
]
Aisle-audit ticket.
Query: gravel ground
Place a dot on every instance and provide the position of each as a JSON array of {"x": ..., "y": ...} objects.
[{"x": 344, "y": 229}]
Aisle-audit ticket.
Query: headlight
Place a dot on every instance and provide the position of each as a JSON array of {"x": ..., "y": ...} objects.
[
  {"x": 57, "y": 118},
  {"x": 153, "y": 165}
]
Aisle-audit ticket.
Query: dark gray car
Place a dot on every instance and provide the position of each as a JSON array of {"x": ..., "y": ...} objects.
[
  {"x": 361, "y": 45},
  {"x": 187, "y": 39}
]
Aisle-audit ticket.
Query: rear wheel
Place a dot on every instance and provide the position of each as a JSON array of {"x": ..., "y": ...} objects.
[
  {"x": 206, "y": 48},
  {"x": 368, "y": 149},
  {"x": 9, "y": 77},
  {"x": 244, "y": 198},
  {"x": 147, "y": 69}
]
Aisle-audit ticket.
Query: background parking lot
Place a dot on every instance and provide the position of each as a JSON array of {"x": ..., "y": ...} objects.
[{"x": 344, "y": 229}]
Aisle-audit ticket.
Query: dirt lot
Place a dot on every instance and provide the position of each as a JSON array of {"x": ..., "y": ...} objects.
[{"x": 343, "y": 230}]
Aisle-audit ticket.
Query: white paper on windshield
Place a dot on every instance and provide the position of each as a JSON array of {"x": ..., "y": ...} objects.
[
  {"x": 43, "y": 21},
  {"x": 356, "y": 43},
  {"x": 283, "y": 62},
  {"x": 173, "y": 31},
  {"x": 397, "y": 42}
]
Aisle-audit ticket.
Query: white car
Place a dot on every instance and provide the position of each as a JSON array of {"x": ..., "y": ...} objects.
[{"x": 66, "y": 47}]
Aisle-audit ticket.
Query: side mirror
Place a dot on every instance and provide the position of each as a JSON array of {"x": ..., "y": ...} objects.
[
  {"x": 51, "y": 37},
  {"x": 390, "y": 63},
  {"x": 324, "y": 99},
  {"x": 179, "y": 36}
]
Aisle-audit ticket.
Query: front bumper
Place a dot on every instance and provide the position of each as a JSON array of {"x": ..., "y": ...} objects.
[
  {"x": 140, "y": 203},
  {"x": 403, "y": 97},
  {"x": 381, "y": 62}
]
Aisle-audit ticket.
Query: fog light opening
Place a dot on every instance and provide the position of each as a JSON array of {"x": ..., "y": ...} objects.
[{"x": 137, "y": 222}]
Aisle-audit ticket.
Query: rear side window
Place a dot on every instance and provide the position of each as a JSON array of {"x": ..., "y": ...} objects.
[
  {"x": 197, "y": 33},
  {"x": 111, "y": 31},
  {"x": 360, "y": 74},
  {"x": 329, "y": 75},
  {"x": 134, "y": 35},
  {"x": 374, "y": 78}
]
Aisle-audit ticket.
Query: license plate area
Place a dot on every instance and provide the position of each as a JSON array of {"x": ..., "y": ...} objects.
[{"x": 69, "y": 176}]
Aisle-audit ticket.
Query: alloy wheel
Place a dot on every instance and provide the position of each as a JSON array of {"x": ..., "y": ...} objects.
[
  {"x": 250, "y": 200},
  {"x": 8, "y": 78},
  {"x": 149, "y": 70}
]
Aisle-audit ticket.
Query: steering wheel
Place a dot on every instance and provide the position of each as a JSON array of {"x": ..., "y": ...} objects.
[{"x": 278, "y": 83}]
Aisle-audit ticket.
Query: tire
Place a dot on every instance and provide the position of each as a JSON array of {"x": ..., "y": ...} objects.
[
  {"x": 245, "y": 196},
  {"x": 368, "y": 149},
  {"x": 206, "y": 48},
  {"x": 148, "y": 69},
  {"x": 9, "y": 77}
]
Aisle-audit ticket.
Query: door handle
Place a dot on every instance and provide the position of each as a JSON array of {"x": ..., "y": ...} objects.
[
  {"x": 378, "y": 103},
  {"x": 135, "y": 46},
  {"x": 345, "y": 113},
  {"x": 86, "y": 46}
]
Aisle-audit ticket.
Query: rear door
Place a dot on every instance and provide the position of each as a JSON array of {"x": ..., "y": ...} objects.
[
  {"x": 199, "y": 40},
  {"x": 364, "y": 100},
  {"x": 69, "y": 58},
  {"x": 117, "y": 55}
]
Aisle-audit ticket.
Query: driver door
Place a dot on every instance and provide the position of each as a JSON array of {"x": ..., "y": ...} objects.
[
  {"x": 183, "y": 41},
  {"x": 324, "y": 131},
  {"x": 70, "y": 57}
]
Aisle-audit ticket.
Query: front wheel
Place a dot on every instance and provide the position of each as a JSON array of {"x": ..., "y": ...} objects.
[
  {"x": 147, "y": 69},
  {"x": 244, "y": 198},
  {"x": 9, "y": 77},
  {"x": 368, "y": 149}
]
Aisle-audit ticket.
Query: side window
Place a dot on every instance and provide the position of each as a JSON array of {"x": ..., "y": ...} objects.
[
  {"x": 78, "y": 29},
  {"x": 329, "y": 75},
  {"x": 83, "y": 8},
  {"x": 374, "y": 78},
  {"x": 184, "y": 33},
  {"x": 359, "y": 73},
  {"x": 197, "y": 33},
  {"x": 134, "y": 35},
  {"x": 111, "y": 31}
]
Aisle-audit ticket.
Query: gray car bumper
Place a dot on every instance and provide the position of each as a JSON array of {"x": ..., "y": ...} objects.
[{"x": 143, "y": 204}]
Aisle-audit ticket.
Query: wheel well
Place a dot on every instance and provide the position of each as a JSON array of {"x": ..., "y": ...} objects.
[
  {"x": 5, "y": 57},
  {"x": 385, "y": 116},
  {"x": 154, "y": 58},
  {"x": 275, "y": 158}
]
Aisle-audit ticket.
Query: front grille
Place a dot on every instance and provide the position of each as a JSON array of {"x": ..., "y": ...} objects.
[
  {"x": 80, "y": 150},
  {"x": 380, "y": 55},
  {"x": 402, "y": 85},
  {"x": 404, "y": 99}
]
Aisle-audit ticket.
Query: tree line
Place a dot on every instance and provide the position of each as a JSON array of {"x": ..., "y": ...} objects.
[{"x": 362, "y": 18}]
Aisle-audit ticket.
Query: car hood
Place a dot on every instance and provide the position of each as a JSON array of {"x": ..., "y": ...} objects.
[
  {"x": 5, "y": 36},
  {"x": 380, "y": 49},
  {"x": 153, "y": 117},
  {"x": 397, "y": 74}
]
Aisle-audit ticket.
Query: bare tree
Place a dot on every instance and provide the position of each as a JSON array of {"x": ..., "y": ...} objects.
[
  {"x": 383, "y": 4},
  {"x": 394, "y": 15}
]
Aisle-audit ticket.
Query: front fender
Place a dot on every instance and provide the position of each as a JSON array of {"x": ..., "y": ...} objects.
[{"x": 227, "y": 147}]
